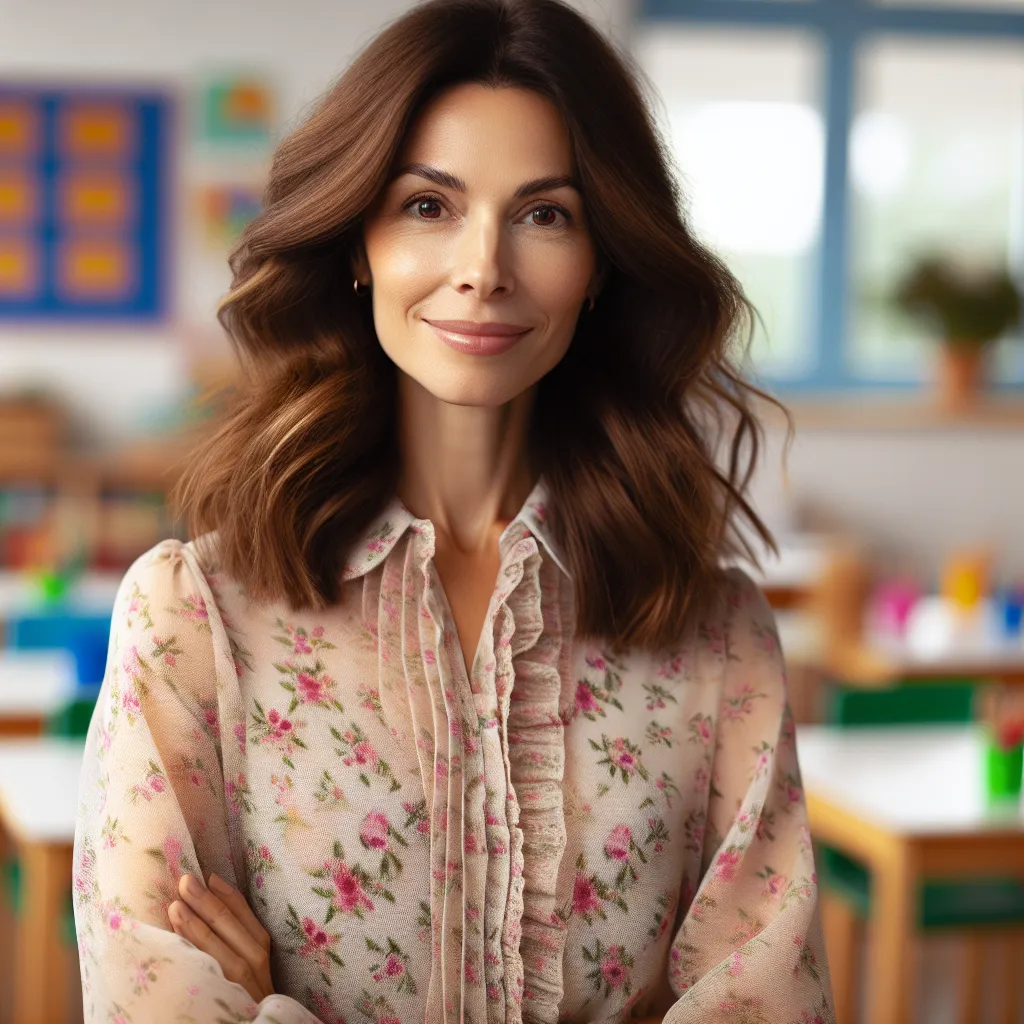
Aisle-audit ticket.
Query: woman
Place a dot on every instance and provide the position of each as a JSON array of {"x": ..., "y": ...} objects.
[{"x": 451, "y": 689}]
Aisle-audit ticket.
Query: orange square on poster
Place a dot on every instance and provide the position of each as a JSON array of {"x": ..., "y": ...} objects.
[
  {"x": 95, "y": 130},
  {"x": 96, "y": 268},
  {"x": 90, "y": 199},
  {"x": 19, "y": 129},
  {"x": 19, "y": 204},
  {"x": 19, "y": 269}
]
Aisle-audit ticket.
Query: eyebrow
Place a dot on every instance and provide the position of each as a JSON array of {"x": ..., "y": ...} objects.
[{"x": 528, "y": 188}]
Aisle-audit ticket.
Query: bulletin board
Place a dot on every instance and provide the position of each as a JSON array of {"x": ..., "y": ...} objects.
[{"x": 84, "y": 196}]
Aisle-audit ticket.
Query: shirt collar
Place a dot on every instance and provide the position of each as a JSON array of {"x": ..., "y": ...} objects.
[{"x": 385, "y": 531}]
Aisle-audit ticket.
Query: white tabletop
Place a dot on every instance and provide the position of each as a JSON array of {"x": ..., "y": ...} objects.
[
  {"x": 917, "y": 780},
  {"x": 35, "y": 683},
  {"x": 39, "y": 788},
  {"x": 800, "y": 563}
]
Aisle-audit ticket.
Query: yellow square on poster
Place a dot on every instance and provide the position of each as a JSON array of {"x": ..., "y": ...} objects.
[
  {"x": 19, "y": 269},
  {"x": 96, "y": 130},
  {"x": 19, "y": 203},
  {"x": 19, "y": 129},
  {"x": 96, "y": 269},
  {"x": 91, "y": 199}
]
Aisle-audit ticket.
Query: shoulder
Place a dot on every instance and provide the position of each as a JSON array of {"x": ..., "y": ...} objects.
[{"x": 169, "y": 578}]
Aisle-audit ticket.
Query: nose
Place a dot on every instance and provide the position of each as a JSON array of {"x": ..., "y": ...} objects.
[{"x": 482, "y": 262}]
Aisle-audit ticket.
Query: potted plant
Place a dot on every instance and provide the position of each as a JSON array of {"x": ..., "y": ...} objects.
[{"x": 969, "y": 308}]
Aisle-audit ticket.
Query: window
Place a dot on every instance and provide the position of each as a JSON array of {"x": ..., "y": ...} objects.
[
  {"x": 748, "y": 142},
  {"x": 824, "y": 144}
]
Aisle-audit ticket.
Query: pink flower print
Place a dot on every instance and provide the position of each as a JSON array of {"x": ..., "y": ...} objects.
[
  {"x": 440, "y": 767},
  {"x": 172, "y": 854},
  {"x": 774, "y": 885},
  {"x": 584, "y": 895},
  {"x": 210, "y": 717},
  {"x": 349, "y": 894},
  {"x": 195, "y": 608},
  {"x": 114, "y": 920},
  {"x": 726, "y": 864},
  {"x": 374, "y": 831},
  {"x": 239, "y": 732},
  {"x": 300, "y": 645},
  {"x": 131, "y": 663},
  {"x": 735, "y": 968},
  {"x": 393, "y": 966},
  {"x": 364, "y": 754},
  {"x": 169, "y": 659},
  {"x": 471, "y": 974},
  {"x": 310, "y": 689},
  {"x": 430, "y": 657},
  {"x": 612, "y": 969},
  {"x": 318, "y": 632},
  {"x": 493, "y": 991},
  {"x": 622, "y": 758},
  {"x": 130, "y": 702},
  {"x": 617, "y": 844},
  {"x": 585, "y": 699}
]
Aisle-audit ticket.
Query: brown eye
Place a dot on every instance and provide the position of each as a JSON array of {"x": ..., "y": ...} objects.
[
  {"x": 425, "y": 208},
  {"x": 550, "y": 211}
]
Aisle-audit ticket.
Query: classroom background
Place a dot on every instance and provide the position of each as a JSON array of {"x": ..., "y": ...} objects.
[{"x": 860, "y": 166}]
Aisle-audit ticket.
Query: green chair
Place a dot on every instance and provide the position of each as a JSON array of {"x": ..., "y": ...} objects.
[
  {"x": 953, "y": 905},
  {"x": 72, "y": 722}
]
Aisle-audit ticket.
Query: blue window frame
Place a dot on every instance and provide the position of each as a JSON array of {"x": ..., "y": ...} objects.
[{"x": 842, "y": 26}]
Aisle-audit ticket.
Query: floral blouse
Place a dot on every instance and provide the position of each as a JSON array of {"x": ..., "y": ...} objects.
[{"x": 550, "y": 834}]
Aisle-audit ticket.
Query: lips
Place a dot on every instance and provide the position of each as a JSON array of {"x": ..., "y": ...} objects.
[
  {"x": 488, "y": 328},
  {"x": 482, "y": 340}
]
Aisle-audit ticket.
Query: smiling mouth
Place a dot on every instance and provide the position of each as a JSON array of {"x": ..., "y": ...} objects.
[{"x": 478, "y": 344}]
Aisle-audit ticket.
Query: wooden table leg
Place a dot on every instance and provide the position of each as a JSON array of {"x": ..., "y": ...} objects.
[
  {"x": 843, "y": 934},
  {"x": 40, "y": 978},
  {"x": 892, "y": 967}
]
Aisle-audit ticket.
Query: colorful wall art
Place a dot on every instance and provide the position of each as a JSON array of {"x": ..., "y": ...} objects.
[{"x": 84, "y": 196}]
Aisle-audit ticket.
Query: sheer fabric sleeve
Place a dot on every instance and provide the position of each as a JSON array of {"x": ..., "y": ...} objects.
[
  {"x": 153, "y": 805},
  {"x": 750, "y": 945}
]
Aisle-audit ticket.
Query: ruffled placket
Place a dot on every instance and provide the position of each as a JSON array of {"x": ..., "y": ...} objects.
[{"x": 491, "y": 748}]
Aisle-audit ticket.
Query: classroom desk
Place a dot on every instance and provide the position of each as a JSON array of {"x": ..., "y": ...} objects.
[
  {"x": 33, "y": 685},
  {"x": 884, "y": 661},
  {"x": 38, "y": 805},
  {"x": 908, "y": 802}
]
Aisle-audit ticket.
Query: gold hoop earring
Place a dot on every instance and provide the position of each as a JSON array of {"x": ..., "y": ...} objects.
[{"x": 358, "y": 288}]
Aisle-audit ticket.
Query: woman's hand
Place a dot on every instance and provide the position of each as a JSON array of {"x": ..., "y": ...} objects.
[{"x": 219, "y": 922}]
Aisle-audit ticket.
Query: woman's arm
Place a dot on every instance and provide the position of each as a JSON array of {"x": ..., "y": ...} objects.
[
  {"x": 751, "y": 945},
  {"x": 153, "y": 808}
]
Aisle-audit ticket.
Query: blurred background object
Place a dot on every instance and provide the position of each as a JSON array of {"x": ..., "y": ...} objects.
[{"x": 860, "y": 167}]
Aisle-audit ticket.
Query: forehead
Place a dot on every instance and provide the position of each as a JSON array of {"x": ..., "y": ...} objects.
[{"x": 474, "y": 129}]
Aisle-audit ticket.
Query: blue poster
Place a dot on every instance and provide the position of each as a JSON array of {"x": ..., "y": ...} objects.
[{"x": 84, "y": 197}]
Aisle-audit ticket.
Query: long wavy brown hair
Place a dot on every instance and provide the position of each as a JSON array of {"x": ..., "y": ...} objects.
[{"x": 647, "y": 444}]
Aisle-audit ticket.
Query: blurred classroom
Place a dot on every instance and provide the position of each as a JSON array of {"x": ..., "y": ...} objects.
[{"x": 860, "y": 166}]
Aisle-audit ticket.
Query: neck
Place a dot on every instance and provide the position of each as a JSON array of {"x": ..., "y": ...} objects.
[{"x": 464, "y": 468}]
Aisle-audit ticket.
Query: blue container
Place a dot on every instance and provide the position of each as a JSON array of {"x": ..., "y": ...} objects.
[
  {"x": 1010, "y": 609},
  {"x": 85, "y": 636}
]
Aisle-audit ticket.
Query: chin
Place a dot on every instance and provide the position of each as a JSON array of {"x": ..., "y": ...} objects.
[{"x": 481, "y": 389}]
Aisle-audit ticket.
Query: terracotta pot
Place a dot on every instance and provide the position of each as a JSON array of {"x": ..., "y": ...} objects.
[{"x": 961, "y": 369}]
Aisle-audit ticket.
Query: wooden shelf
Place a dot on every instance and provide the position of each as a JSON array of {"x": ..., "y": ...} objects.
[{"x": 848, "y": 412}]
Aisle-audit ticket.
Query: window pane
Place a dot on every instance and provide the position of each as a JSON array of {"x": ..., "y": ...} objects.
[
  {"x": 740, "y": 111},
  {"x": 936, "y": 160},
  {"x": 982, "y": 5}
]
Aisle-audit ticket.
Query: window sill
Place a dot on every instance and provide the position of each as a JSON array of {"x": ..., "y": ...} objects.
[{"x": 902, "y": 413}]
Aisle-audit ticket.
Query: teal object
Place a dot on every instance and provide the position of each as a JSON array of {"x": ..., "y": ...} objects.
[
  {"x": 85, "y": 636},
  {"x": 964, "y": 903}
]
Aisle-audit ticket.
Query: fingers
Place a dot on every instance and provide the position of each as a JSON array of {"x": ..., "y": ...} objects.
[
  {"x": 241, "y": 909},
  {"x": 191, "y": 926},
  {"x": 212, "y": 921}
]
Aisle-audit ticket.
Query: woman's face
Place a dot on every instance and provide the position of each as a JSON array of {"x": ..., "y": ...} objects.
[{"x": 481, "y": 223}]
